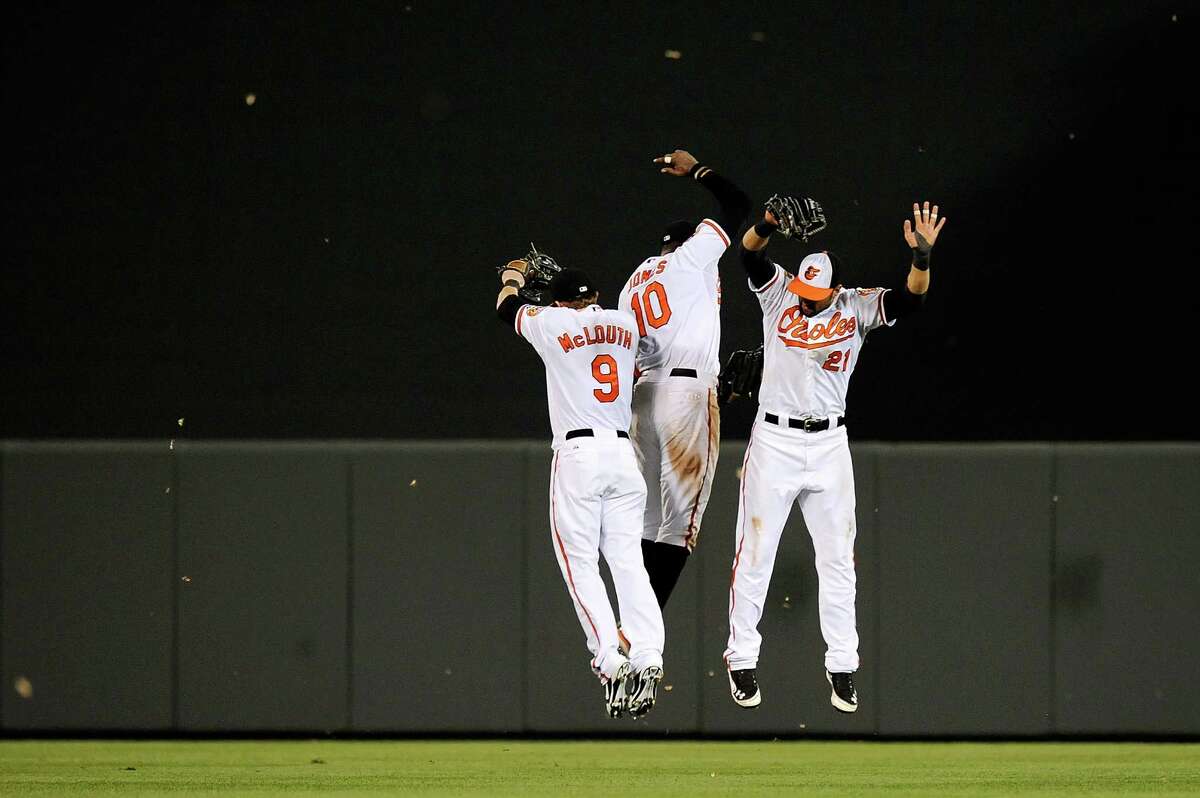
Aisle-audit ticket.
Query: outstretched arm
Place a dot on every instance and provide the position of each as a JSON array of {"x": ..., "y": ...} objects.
[
  {"x": 758, "y": 267},
  {"x": 507, "y": 301},
  {"x": 734, "y": 203},
  {"x": 920, "y": 235}
]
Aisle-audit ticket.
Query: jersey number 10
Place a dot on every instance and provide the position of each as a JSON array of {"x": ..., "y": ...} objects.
[{"x": 656, "y": 317}]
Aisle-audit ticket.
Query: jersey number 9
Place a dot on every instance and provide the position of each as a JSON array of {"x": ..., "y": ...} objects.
[{"x": 604, "y": 369}]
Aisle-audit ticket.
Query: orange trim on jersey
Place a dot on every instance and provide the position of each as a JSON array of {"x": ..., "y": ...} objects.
[
  {"x": 563, "y": 549},
  {"x": 737, "y": 558},
  {"x": 770, "y": 282},
  {"x": 716, "y": 227},
  {"x": 689, "y": 541},
  {"x": 803, "y": 345},
  {"x": 882, "y": 314}
]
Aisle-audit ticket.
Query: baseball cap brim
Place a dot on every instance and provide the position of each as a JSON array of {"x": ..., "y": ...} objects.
[{"x": 806, "y": 291}]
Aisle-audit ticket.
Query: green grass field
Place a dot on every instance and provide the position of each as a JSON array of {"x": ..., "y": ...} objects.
[{"x": 660, "y": 769}]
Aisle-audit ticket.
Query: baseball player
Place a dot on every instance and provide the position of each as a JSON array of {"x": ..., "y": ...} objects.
[
  {"x": 597, "y": 495},
  {"x": 675, "y": 298},
  {"x": 813, "y": 336}
]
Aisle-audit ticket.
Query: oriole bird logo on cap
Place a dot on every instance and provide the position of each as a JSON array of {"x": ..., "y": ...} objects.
[{"x": 811, "y": 273}]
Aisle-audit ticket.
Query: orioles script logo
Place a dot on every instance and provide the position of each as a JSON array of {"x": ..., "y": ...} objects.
[
  {"x": 811, "y": 273},
  {"x": 794, "y": 329}
]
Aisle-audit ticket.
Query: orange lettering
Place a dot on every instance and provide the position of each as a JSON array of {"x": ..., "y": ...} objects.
[
  {"x": 795, "y": 330},
  {"x": 564, "y": 341}
]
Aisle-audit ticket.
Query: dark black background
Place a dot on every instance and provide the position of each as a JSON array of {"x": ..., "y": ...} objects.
[{"x": 320, "y": 263}]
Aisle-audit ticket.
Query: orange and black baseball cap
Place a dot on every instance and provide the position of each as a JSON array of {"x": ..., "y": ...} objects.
[{"x": 816, "y": 277}]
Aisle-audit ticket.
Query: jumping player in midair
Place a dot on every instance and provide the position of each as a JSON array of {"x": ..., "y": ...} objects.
[
  {"x": 675, "y": 297},
  {"x": 597, "y": 495},
  {"x": 813, "y": 335}
]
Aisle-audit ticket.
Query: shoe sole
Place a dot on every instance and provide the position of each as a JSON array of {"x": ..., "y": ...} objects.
[
  {"x": 647, "y": 692},
  {"x": 838, "y": 704},
  {"x": 748, "y": 703},
  {"x": 618, "y": 708}
]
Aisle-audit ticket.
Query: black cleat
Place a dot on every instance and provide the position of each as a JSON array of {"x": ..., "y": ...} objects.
[
  {"x": 616, "y": 698},
  {"x": 844, "y": 698},
  {"x": 643, "y": 690},
  {"x": 743, "y": 686}
]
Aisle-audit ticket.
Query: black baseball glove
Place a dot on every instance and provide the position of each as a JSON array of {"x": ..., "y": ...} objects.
[
  {"x": 741, "y": 376},
  {"x": 799, "y": 217},
  {"x": 540, "y": 269}
]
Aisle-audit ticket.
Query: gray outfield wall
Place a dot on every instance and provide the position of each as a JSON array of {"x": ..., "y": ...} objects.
[{"x": 411, "y": 587}]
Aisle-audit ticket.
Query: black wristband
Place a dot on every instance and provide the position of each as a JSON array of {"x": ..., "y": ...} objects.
[
  {"x": 920, "y": 260},
  {"x": 764, "y": 229},
  {"x": 699, "y": 171}
]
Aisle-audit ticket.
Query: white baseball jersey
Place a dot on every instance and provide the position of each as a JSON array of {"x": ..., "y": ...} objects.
[
  {"x": 807, "y": 366},
  {"x": 597, "y": 496},
  {"x": 676, "y": 301},
  {"x": 808, "y": 361},
  {"x": 589, "y": 357}
]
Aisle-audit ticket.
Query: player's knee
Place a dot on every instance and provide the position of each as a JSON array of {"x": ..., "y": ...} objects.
[
  {"x": 583, "y": 562},
  {"x": 835, "y": 562},
  {"x": 624, "y": 567}
]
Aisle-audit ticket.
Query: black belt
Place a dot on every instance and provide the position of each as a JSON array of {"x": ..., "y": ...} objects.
[
  {"x": 587, "y": 433},
  {"x": 806, "y": 424},
  {"x": 683, "y": 373}
]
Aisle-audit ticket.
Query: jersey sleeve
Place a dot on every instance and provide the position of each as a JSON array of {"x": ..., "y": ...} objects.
[
  {"x": 773, "y": 295},
  {"x": 528, "y": 325},
  {"x": 705, "y": 247},
  {"x": 868, "y": 306}
]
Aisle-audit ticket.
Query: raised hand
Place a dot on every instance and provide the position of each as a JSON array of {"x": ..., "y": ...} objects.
[
  {"x": 927, "y": 227},
  {"x": 677, "y": 163}
]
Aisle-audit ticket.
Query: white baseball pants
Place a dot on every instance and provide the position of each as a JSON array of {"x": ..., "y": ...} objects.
[
  {"x": 676, "y": 432},
  {"x": 597, "y": 497},
  {"x": 782, "y": 466}
]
